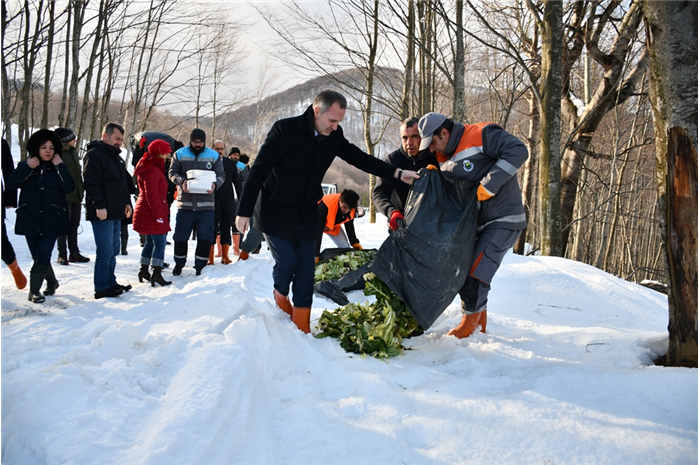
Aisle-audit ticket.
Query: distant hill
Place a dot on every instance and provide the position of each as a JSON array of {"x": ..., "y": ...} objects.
[{"x": 247, "y": 126}]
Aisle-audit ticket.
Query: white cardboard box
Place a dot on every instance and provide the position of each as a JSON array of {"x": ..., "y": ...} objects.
[{"x": 200, "y": 181}]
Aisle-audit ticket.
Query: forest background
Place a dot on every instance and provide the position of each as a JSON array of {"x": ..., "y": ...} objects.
[{"x": 603, "y": 93}]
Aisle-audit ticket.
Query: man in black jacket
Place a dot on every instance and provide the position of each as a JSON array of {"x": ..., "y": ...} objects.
[
  {"x": 287, "y": 176},
  {"x": 389, "y": 195},
  {"x": 106, "y": 184}
]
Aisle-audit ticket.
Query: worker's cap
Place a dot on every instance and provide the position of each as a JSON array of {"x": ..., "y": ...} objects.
[{"x": 427, "y": 126}]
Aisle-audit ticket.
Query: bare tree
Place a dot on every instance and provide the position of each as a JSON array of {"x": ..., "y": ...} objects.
[{"x": 672, "y": 41}]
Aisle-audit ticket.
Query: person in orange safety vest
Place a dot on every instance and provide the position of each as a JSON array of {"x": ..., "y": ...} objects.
[{"x": 335, "y": 210}]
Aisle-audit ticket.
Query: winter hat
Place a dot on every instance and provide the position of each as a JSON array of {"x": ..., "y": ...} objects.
[
  {"x": 198, "y": 134},
  {"x": 41, "y": 136},
  {"x": 234, "y": 150},
  {"x": 65, "y": 134},
  {"x": 427, "y": 126},
  {"x": 159, "y": 147}
]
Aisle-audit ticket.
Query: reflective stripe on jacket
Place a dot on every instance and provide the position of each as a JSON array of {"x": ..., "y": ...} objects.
[{"x": 488, "y": 154}]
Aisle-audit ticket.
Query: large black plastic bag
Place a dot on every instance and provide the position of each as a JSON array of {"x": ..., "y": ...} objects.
[{"x": 426, "y": 260}]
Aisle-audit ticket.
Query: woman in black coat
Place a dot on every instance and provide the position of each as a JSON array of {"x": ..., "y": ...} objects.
[{"x": 42, "y": 214}]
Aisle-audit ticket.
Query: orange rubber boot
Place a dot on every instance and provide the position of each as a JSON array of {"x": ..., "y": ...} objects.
[
  {"x": 283, "y": 302},
  {"x": 482, "y": 321},
  {"x": 244, "y": 255},
  {"x": 224, "y": 254},
  {"x": 236, "y": 244},
  {"x": 466, "y": 327},
  {"x": 20, "y": 279},
  {"x": 218, "y": 246},
  {"x": 301, "y": 317},
  {"x": 211, "y": 256}
]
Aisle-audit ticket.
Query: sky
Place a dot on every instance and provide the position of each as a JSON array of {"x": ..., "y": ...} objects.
[{"x": 209, "y": 371}]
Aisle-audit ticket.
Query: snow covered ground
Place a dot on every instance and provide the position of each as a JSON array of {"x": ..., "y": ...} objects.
[{"x": 208, "y": 371}]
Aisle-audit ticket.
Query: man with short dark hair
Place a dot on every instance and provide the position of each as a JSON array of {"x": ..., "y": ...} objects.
[
  {"x": 335, "y": 210},
  {"x": 106, "y": 184},
  {"x": 285, "y": 181},
  {"x": 487, "y": 154},
  {"x": 195, "y": 209},
  {"x": 389, "y": 195}
]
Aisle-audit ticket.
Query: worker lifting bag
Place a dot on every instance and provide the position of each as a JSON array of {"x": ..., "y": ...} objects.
[{"x": 427, "y": 259}]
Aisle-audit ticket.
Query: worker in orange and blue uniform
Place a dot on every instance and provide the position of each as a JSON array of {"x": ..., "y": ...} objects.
[
  {"x": 335, "y": 210},
  {"x": 487, "y": 154}
]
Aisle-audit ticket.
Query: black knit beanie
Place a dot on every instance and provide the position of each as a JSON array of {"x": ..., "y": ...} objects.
[
  {"x": 198, "y": 134},
  {"x": 65, "y": 134}
]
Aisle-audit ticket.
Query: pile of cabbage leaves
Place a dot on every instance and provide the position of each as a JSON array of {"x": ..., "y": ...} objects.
[{"x": 377, "y": 328}]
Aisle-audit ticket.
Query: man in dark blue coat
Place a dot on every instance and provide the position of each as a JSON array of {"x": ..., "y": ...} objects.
[
  {"x": 106, "y": 184},
  {"x": 287, "y": 176}
]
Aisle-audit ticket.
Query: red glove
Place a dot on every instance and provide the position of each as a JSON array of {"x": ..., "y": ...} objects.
[
  {"x": 357, "y": 246},
  {"x": 395, "y": 217}
]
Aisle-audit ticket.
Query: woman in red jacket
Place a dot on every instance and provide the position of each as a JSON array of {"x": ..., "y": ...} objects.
[{"x": 151, "y": 212}]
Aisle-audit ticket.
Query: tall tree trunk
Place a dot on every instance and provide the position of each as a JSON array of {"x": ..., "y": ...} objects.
[
  {"x": 79, "y": 7},
  {"x": 458, "y": 111},
  {"x": 6, "y": 96},
  {"x": 530, "y": 171},
  {"x": 99, "y": 38},
  {"x": 371, "y": 65},
  {"x": 550, "y": 128},
  {"x": 47, "y": 76},
  {"x": 672, "y": 41},
  {"x": 28, "y": 62},
  {"x": 66, "y": 68},
  {"x": 409, "y": 70}
]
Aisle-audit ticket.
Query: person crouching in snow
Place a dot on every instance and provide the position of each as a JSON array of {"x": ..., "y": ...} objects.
[
  {"x": 335, "y": 210},
  {"x": 487, "y": 154},
  {"x": 151, "y": 211}
]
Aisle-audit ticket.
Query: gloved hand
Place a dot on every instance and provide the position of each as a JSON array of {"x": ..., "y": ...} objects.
[
  {"x": 441, "y": 157},
  {"x": 357, "y": 246},
  {"x": 482, "y": 194},
  {"x": 431, "y": 167},
  {"x": 395, "y": 217}
]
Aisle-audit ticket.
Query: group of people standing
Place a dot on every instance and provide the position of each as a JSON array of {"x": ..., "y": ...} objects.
[{"x": 281, "y": 197}]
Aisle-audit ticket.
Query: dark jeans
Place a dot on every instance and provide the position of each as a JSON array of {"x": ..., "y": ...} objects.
[
  {"x": 153, "y": 252},
  {"x": 491, "y": 246},
  {"x": 294, "y": 264},
  {"x": 8, "y": 253},
  {"x": 41, "y": 248},
  {"x": 72, "y": 237},
  {"x": 106, "y": 234}
]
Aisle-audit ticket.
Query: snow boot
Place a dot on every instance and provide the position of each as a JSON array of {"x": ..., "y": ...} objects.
[
  {"x": 467, "y": 326},
  {"x": 144, "y": 274},
  {"x": 211, "y": 256},
  {"x": 224, "y": 254},
  {"x": 218, "y": 246},
  {"x": 157, "y": 277},
  {"x": 36, "y": 279},
  {"x": 20, "y": 279},
  {"x": 482, "y": 321},
  {"x": 244, "y": 255},
  {"x": 283, "y": 302},
  {"x": 301, "y": 317},
  {"x": 236, "y": 244},
  {"x": 51, "y": 281}
]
